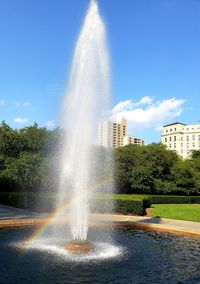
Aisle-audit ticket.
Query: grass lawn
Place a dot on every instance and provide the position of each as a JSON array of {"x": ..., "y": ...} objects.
[
  {"x": 187, "y": 212},
  {"x": 122, "y": 196}
]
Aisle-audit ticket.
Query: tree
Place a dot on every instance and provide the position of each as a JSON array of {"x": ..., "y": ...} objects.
[
  {"x": 195, "y": 155},
  {"x": 142, "y": 179},
  {"x": 34, "y": 139},
  {"x": 10, "y": 141},
  {"x": 125, "y": 158},
  {"x": 184, "y": 175},
  {"x": 23, "y": 173}
]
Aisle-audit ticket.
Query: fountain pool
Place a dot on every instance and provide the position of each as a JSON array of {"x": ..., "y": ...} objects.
[
  {"x": 134, "y": 256},
  {"x": 115, "y": 255}
]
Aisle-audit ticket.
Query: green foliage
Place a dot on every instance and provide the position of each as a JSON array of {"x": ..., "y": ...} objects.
[
  {"x": 195, "y": 154},
  {"x": 142, "y": 179},
  {"x": 125, "y": 159},
  {"x": 29, "y": 160},
  {"x": 101, "y": 203},
  {"x": 31, "y": 201},
  {"x": 137, "y": 204},
  {"x": 153, "y": 169},
  {"x": 167, "y": 199},
  {"x": 117, "y": 205},
  {"x": 11, "y": 143},
  {"x": 26, "y": 157},
  {"x": 186, "y": 177},
  {"x": 47, "y": 203}
]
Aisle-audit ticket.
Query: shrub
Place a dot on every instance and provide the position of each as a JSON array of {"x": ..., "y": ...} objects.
[
  {"x": 117, "y": 206},
  {"x": 102, "y": 204},
  {"x": 30, "y": 201},
  {"x": 164, "y": 199}
]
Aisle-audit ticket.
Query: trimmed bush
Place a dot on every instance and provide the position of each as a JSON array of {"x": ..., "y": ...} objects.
[
  {"x": 45, "y": 203},
  {"x": 14, "y": 199},
  {"x": 29, "y": 201},
  {"x": 164, "y": 199},
  {"x": 117, "y": 206},
  {"x": 104, "y": 203}
]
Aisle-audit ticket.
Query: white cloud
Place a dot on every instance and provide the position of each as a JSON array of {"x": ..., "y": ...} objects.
[
  {"x": 123, "y": 106},
  {"x": 20, "y": 120},
  {"x": 145, "y": 101},
  {"x": 50, "y": 124},
  {"x": 25, "y": 104},
  {"x": 2, "y": 103},
  {"x": 146, "y": 113},
  {"x": 128, "y": 105}
]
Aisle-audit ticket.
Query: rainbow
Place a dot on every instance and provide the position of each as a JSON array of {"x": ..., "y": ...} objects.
[{"x": 53, "y": 216}]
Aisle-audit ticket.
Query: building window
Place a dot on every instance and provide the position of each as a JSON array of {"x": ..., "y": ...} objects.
[
  {"x": 187, "y": 138},
  {"x": 187, "y": 129},
  {"x": 174, "y": 145},
  {"x": 199, "y": 137},
  {"x": 166, "y": 130},
  {"x": 170, "y": 145},
  {"x": 187, "y": 145},
  {"x": 193, "y": 144},
  {"x": 174, "y": 129},
  {"x": 174, "y": 138},
  {"x": 193, "y": 137},
  {"x": 170, "y": 130},
  {"x": 170, "y": 138},
  {"x": 181, "y": 144},
  {"x": 165, "y": 139}
]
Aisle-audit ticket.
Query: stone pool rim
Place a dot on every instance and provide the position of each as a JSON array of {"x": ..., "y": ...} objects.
[{"x": 175, "y": 227}]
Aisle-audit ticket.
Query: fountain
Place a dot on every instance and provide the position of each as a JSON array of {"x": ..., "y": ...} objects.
[
  {"x": 54, "y": 255},
  {"x": 84, "y": 106}
]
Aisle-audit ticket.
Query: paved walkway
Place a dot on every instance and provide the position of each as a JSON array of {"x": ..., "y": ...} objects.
[
  {"x": 10, "y": 213},
  {"x": 157, "y": 224},
  {"x": 12, "y": 217}
]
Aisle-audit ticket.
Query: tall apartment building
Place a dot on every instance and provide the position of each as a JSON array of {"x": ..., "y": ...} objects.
[
  {"x": 114, "y": 134},
  {"x": 181, "y": 138}
]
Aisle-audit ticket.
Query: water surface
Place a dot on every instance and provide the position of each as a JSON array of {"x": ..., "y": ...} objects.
[{"x": 136, "y": 256}]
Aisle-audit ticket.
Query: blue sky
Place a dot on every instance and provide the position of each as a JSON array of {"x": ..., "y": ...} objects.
[{"x": 155, "y": 54}]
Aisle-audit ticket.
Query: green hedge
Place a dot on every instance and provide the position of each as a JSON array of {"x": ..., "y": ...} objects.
[
  {"x": 14, "y": 199},
  {"x": 29, "y": 201},
  {"x": 164, "y": 199},
  {"x": 100, "y": 204},
  {"x": 117, "y": 206},
  {"x": 44, "y": 203}
]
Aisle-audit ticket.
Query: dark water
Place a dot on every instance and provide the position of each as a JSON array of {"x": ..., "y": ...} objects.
[{"x": 147, "y": 257}]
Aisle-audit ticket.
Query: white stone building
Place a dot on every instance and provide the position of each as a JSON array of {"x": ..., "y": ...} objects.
[{"x": 181, "y": 138}]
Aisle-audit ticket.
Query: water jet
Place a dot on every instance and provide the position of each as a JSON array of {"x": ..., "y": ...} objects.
[{"x": 85, "y": 105}]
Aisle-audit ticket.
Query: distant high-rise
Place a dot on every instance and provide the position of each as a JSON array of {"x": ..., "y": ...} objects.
[
  {"x": 114, "y": 134},
  {"x": 181, "y": 138}
]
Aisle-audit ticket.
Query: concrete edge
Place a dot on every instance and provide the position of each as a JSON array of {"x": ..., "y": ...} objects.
[{"x": 6, "y": 224}]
